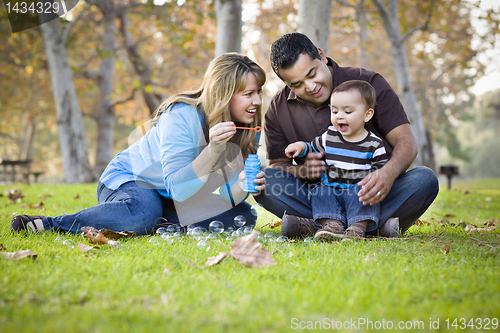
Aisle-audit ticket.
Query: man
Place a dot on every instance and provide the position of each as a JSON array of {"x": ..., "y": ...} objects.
[{"x": 300, "y": 112}]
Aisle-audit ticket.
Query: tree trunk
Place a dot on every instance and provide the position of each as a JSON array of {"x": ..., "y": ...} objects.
[
  {"x": 314, "y": 21},
  {"x": 105, "y": 111},
  {"x": 229, "y": 25},
  {"x": 390, "y": 19},
  {"x": 364, "y": 59},
  {"x": 72, "y": 137}
]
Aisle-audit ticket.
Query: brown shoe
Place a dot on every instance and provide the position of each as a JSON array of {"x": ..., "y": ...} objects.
[
  {"x": 331, "y": 231},
  {"x": 355, "y": 231},
  {"x": 295, "y": 226}
]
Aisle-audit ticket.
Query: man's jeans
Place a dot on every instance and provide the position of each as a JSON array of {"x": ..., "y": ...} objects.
[
  {"x": 410, "y": 196},
  {"x": 139, "y": 209}
]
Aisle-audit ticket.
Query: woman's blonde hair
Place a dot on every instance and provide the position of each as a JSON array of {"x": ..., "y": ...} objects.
[{"x": 227, "y": 74}]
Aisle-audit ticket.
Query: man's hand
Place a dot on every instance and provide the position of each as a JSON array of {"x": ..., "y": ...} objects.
[
  {"x": 375, "y": 187},
  {"x": 314, "y": 166}
]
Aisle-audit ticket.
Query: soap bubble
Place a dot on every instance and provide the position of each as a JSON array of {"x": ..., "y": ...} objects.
[
  {"x": 161, "y": 230},
  {"x": 177, "y": 234},
  {"x": 69, "y": 243},
  {"x": 211, "y": 236},
  {"x": 309, "y": 240},
  {"x": 281, "y": 239},
  {"x": 153, "y": 240},
  {"x": 197, "y": 231},
  {"x": 269, "y": 235},
  {"x": 203, "y": 244},
  {"x": 172, "y": 228},
  {"x": 230, "y": 229},
  {"x": 217, "y": 227},
  {"x": 190, "y": 227},
  {"x": 256, "y": 209},
  {"x": 239, "y": 221},
  {"x": 60, "y": 239},
  {"x": 166, "y": 235},
  {"x": 248, "y": 229}
]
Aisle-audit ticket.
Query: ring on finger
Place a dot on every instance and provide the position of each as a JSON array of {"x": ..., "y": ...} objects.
[{"x": 379, "y": 194}]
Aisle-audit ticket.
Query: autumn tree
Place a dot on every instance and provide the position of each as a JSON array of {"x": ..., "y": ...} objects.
[{"x": 72, "y": 136}]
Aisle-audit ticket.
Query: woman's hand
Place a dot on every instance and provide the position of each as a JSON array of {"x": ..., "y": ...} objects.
[
  {"x": 219, "y": 135},
  {"x": 260, "y": 181}
]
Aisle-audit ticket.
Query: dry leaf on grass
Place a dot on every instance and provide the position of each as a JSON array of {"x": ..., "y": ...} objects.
[
  {"x": 15, "y": 194},
  {"x": 447, "y": 247},
  {"x": 96, "y": 237},
  {"x": 86, "y": 248},
  {"x": 2, "y": 248},
  {"x": 15, "y": 256},
  {"x": 217, "y": 259},
  {"x": 248, "y": 251},
  {"x": 116, "y": 234},
  {"x": 472, "y": 228}
]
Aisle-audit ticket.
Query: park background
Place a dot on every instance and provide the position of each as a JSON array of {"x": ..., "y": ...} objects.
[{"x": 115, "y": 61}]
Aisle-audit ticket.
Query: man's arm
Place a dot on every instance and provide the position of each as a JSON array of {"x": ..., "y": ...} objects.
[{"x": 381, "y": 180}]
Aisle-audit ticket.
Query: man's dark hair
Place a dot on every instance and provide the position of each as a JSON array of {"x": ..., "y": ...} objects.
[
  {"x": 286, "y": 50},
  {"x": 364, "y": 88}
]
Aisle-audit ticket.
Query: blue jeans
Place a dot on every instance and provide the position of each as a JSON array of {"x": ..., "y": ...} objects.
[
  {"x": 410, "y": 196},
  {"x": 342, "y": 204},
  {"x": 134, "y": 208}
]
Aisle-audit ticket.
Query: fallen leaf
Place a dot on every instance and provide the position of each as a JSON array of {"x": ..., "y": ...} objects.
[
  {"x": 249, "y": 252},
  {"x": 15, "y": 256},
  {"x": 421, "y": 222},
  {"x": 217, "y": 259},
  {"x": 450, "y": 215},
  {"x": 2, "y": 248},
  {"x": 37, "y": 206},
  {"x": 116, "y": 234},
  {"x": 488, "y": 229},
  {"x": 15, "y": 194},
  {"x": 273, "y": 224},
  {"x": 446, "y": 247},
  {"x": 464, "y": 191},
  {"x": 77, "y": 197},
  {"x": 94, "y": 236},
  {"x": 86, "y": 248}
]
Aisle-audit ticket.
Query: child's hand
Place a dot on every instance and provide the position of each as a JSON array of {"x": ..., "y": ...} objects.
[{"x": 295, "y": 149}]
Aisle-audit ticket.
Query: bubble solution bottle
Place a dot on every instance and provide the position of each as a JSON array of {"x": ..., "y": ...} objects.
[{"x": 252, "y": 168}]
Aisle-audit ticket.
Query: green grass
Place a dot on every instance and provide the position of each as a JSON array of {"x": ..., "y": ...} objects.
[{"x": 144, "y": 286}]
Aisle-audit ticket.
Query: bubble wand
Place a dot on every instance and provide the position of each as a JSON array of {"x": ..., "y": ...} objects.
[{"x": 256, "y": 129}]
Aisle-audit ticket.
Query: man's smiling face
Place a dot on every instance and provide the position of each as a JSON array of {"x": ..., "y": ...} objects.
[{"x": 310, "y": 79}]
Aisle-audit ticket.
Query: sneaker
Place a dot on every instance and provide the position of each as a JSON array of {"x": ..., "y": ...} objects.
[
  {"x": 30, "y": 224},
  {"x": 331, "y": 231},
  {"x": 294, "y": 226},
  {"x": 390, "y": 228},
  {"x": 355, "y": 231}
]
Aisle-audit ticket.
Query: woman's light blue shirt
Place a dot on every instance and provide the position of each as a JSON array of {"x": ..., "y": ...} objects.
[{"x": 163, "y": 157}]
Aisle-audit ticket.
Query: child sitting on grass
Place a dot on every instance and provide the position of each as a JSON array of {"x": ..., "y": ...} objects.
[{"x": 351, "y": 153}]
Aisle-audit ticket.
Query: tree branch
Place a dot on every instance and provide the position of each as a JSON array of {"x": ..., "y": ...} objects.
[
  {"x": 424, "y": 26},
  {"x": 345, "y": 3},
  {"x": 123, "y": 101},
  {"x": 73, "y": 22}
]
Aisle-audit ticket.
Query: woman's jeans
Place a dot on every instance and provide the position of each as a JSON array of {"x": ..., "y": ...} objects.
[
  {"x": 140, "y": 209},
  {"x": 410, "y": 196}
]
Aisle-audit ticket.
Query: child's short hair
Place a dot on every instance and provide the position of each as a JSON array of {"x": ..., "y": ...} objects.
[{"x": 365, "y": 89}]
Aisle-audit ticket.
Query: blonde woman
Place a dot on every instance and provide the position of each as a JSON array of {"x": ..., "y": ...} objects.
[{"x": 192, "y": 150}]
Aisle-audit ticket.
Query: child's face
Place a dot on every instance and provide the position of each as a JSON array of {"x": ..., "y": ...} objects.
[{"x": 349, "y": 114}]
